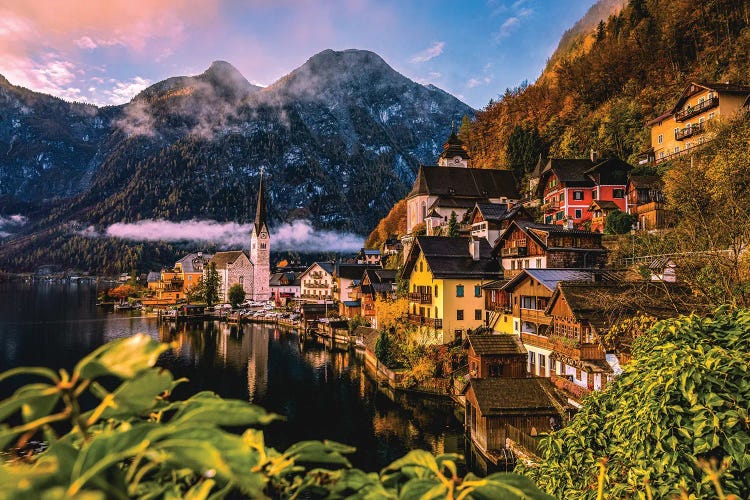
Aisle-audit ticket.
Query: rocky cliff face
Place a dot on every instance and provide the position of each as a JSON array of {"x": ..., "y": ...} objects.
[{"x": 340, "y": 138}]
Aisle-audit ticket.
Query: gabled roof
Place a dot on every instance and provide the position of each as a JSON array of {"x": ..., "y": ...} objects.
[
  {"x": 153, "y": 277},
  {"x": 646, "y": 181},
  {"x": 450, "y": 258},
  {"x": 503, "y": 396},
  {"x": 549, "y": 278},
  {"x": 540, "y": 233},
  {"x": 721, "y": 88},
  {"x": 570, "y": 172},
  {"x": 477, "y": 183},
  {"x": 222, "y": 259},
  {"x": 453, "y": 202},
  {"x": 351, "y": 271},
  {"x": 603, "y": 205},
  {"x": 188, "y": 262},
  {"x": 609, "y": 164},
  {"x": 499, "y": 212},
  {"x": 488, "y": 344},
  {"x": 325, "y": 265},
  {"x": 282, "y": 279}
]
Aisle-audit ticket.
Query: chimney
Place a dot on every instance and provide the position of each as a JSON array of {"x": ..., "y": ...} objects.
[
  {"x": 594, "y": 156},
  {"x": 474, "y": 248}
]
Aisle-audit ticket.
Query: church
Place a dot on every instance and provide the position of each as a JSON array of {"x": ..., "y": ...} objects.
[{"x": 250, "y": 269}]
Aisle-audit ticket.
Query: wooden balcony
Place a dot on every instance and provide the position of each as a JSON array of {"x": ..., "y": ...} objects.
[
  {"x": 684, "y": 133},
  {"x": 513, "y": 251},
  {"x": 510, "y": 273},
  {"x": 691, "y": 111},
  {"x": 420, "y": 298},
  {"x": 416, "y": 319},
  {"x": 536, "y": 340},
  {"x": 535, "y": 316},
  {"x": 551, "y": 206},
  {"x": 569, "y": 387}
]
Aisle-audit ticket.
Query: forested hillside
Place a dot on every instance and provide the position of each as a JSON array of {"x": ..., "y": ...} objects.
[{"x": 635, "y": 66}]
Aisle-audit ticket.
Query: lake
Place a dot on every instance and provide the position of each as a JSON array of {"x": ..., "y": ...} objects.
[{"x": 321, "y": 394}]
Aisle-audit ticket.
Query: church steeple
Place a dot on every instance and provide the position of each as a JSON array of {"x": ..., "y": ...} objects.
[{"x": 260, "y": 210}]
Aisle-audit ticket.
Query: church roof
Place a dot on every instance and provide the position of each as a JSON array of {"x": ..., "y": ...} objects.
[
  {"x": 260, "y": 209},
  {"x": 459, "y": 182},
  {"x": 222, "y": 259},
  {"x": 454, "y": 147}
]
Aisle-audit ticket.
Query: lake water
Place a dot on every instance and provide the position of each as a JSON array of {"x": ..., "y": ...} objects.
[{"x": 322, "y": 394}]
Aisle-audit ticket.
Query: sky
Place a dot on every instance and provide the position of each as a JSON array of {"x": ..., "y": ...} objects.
[{"x": 106, "y": 51}]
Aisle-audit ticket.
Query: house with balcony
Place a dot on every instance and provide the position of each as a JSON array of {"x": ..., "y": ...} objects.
[
  {"x": 646, "y": 201},
  {"x": 376, "y": 284},
  {"x": 529, "y": 294},
  {"x": 445, "y": 277},
  {"x": 527, "y": 245},
  {"x": 317, "y": 283},
  {"x": 567, "y": 187},
  {"x": 285, "y": 287},
  {"x": 171, "y": 285},
  {"x": 686, "y": 124},
  {"x": 498, "y": 314}
]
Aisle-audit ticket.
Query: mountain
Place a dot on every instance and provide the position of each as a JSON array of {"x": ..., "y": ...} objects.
[{"x": 340, "y": 139}]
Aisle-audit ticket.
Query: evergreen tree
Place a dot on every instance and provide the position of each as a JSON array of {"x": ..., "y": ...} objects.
[
  {"x": 524, "y": 147},
  {"x": 212, "y": 285},
  {"x": 601, "y": 31},
  {"x": 453, "y": 225}
]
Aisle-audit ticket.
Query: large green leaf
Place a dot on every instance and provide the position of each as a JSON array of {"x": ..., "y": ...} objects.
[
  {"x": 39, "y": 399},
  {"x": 139, "y": 394},
  {"x": 208, "y": 408},
  {"x": 123, "y": 358},
  {"x": 502, "y": 486},
  {"x": 327, "y": 453}
]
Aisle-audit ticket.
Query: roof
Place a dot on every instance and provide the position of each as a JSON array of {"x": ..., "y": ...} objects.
[
  {"x": 222, "y": 259},
  {"x": 549, "y": 278},
  {"x": 487, "y": 344},
  {"x": 571, "y": 172},
  {"x": 454, "y": 147},
  {"x": 453, "y": 202},
  {"x": 661, "y": 263},
  {"x": 260, "y": 209},
  {"x": 352, "y": 303},
  {"x": 351, "y": 271},
  {"x": 540, "y": 233},
  {"x": 492, "y": 212},
  {"x": 370, "y": 251},
  {"x": 695, "y": 87},
  {"x": 189, "y": 262},
  {"x": 500, "y": 395},
  {"x": 276, "y": 278},
  {"x": 609, "y": 163},
  {"x": 495, "y": 285},
  {"x": 369, "y": 336},
  {"x": 326, "y": 266},
  {"x": 604, "y": 205},
  {"x": 153, "y": 277},
  {"x": 450, "y": 258},
  {"x": 462, "y": 182},
  {"x": 659, "y": 118}
]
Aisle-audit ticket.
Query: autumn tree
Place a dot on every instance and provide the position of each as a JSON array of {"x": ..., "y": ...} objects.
[
  {"x": 122, "y": 292},
  {"x": 390, "y": 311}
]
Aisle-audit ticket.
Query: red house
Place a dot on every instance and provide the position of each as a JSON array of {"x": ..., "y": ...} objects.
[{"x": 568, "y": 187}]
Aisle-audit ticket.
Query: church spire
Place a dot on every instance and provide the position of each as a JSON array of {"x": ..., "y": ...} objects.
[{"x": 260, "y": 210}]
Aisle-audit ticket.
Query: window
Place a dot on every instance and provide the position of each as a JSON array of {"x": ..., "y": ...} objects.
[
  {"x": 436, "y": 312},
  {"x": 459, "y": 290},
  {"x": 578, "y": 374},
  {"x": 532, "y": 358},
  {"x": 548, "y": 219},
  {"x": 577, "y": 195},
  {"x": 542, "y": 360},
  {"x": 460, "y": 314},
  {"x": 661, "y": 154},
  {"x": 495, "y": 370},
  {"x": 477, "y": 291},
  {"x": 436, "y": 291},
  {"x": 559, "y": 216},
  {"x": 677, "y": 149},
  {"x": 478, "y": 314},
  {"x": 512, "y": 265},
  {"x": 527, "y": 302},
  {"x": 526, "y": 264},
  {"x": 242, "y": 280},
  {"x": 711, "y": 115},
  {"x": 660, "y": 139},
  {"x": 538, "y": 263},
  {"x": 618, "y": 193},
  {"x": 562, "y": 197},
  {"x": 579, "y": 213},
  {"x": 262, "y": 246},
  {"x": 421, "y": 268}
]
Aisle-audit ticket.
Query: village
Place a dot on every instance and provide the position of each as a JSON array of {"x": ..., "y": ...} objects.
[{"x": 503, "y": 299}]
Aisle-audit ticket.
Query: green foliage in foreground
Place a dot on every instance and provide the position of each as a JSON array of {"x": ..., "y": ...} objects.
[
  {"x": 135, "y": 442},
  {"x": 674, "y": 423}
]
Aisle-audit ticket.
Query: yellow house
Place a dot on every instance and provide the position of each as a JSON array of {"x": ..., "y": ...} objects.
[
  {"x": 173, "y": 284},
  {"x": 445, "y": 278},
  {"x": 685, "y": 125}
]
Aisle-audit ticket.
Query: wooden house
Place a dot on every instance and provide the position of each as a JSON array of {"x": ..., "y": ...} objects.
[
  {"x": 498, "y": 313},
  {"x": 527, "y": 245},
  {"x": 647, "y": 203},
  {"x": 489, "y": 220},
  {"x": 376, "y": 283},
  {"x": 599, "y": 210},
  {"x": 496, "y": 406},
  {"x": 495, "y": 356}
]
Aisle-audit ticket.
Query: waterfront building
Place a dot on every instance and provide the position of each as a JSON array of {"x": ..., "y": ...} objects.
[
  {"x": 285, "y": 286},
  {"x": 260, "y": 249},
  {"x": 445, "y": 277},
  {"x": 375, "y": 284},
  {"x": 317, "y": 282},
  {"x": 686, "y": 125},
  {"x": 171, "y": 285},
  {"x": 234, "y": 268},
  {"x": 495, "y": 355},
  {"x": 346, "y": 278}
]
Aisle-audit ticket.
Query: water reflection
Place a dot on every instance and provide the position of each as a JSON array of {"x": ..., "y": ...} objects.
[{"x": 322, "y": 394}]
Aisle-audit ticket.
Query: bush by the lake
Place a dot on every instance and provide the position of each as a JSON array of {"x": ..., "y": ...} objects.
[{"x": 134, "y": 441}]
